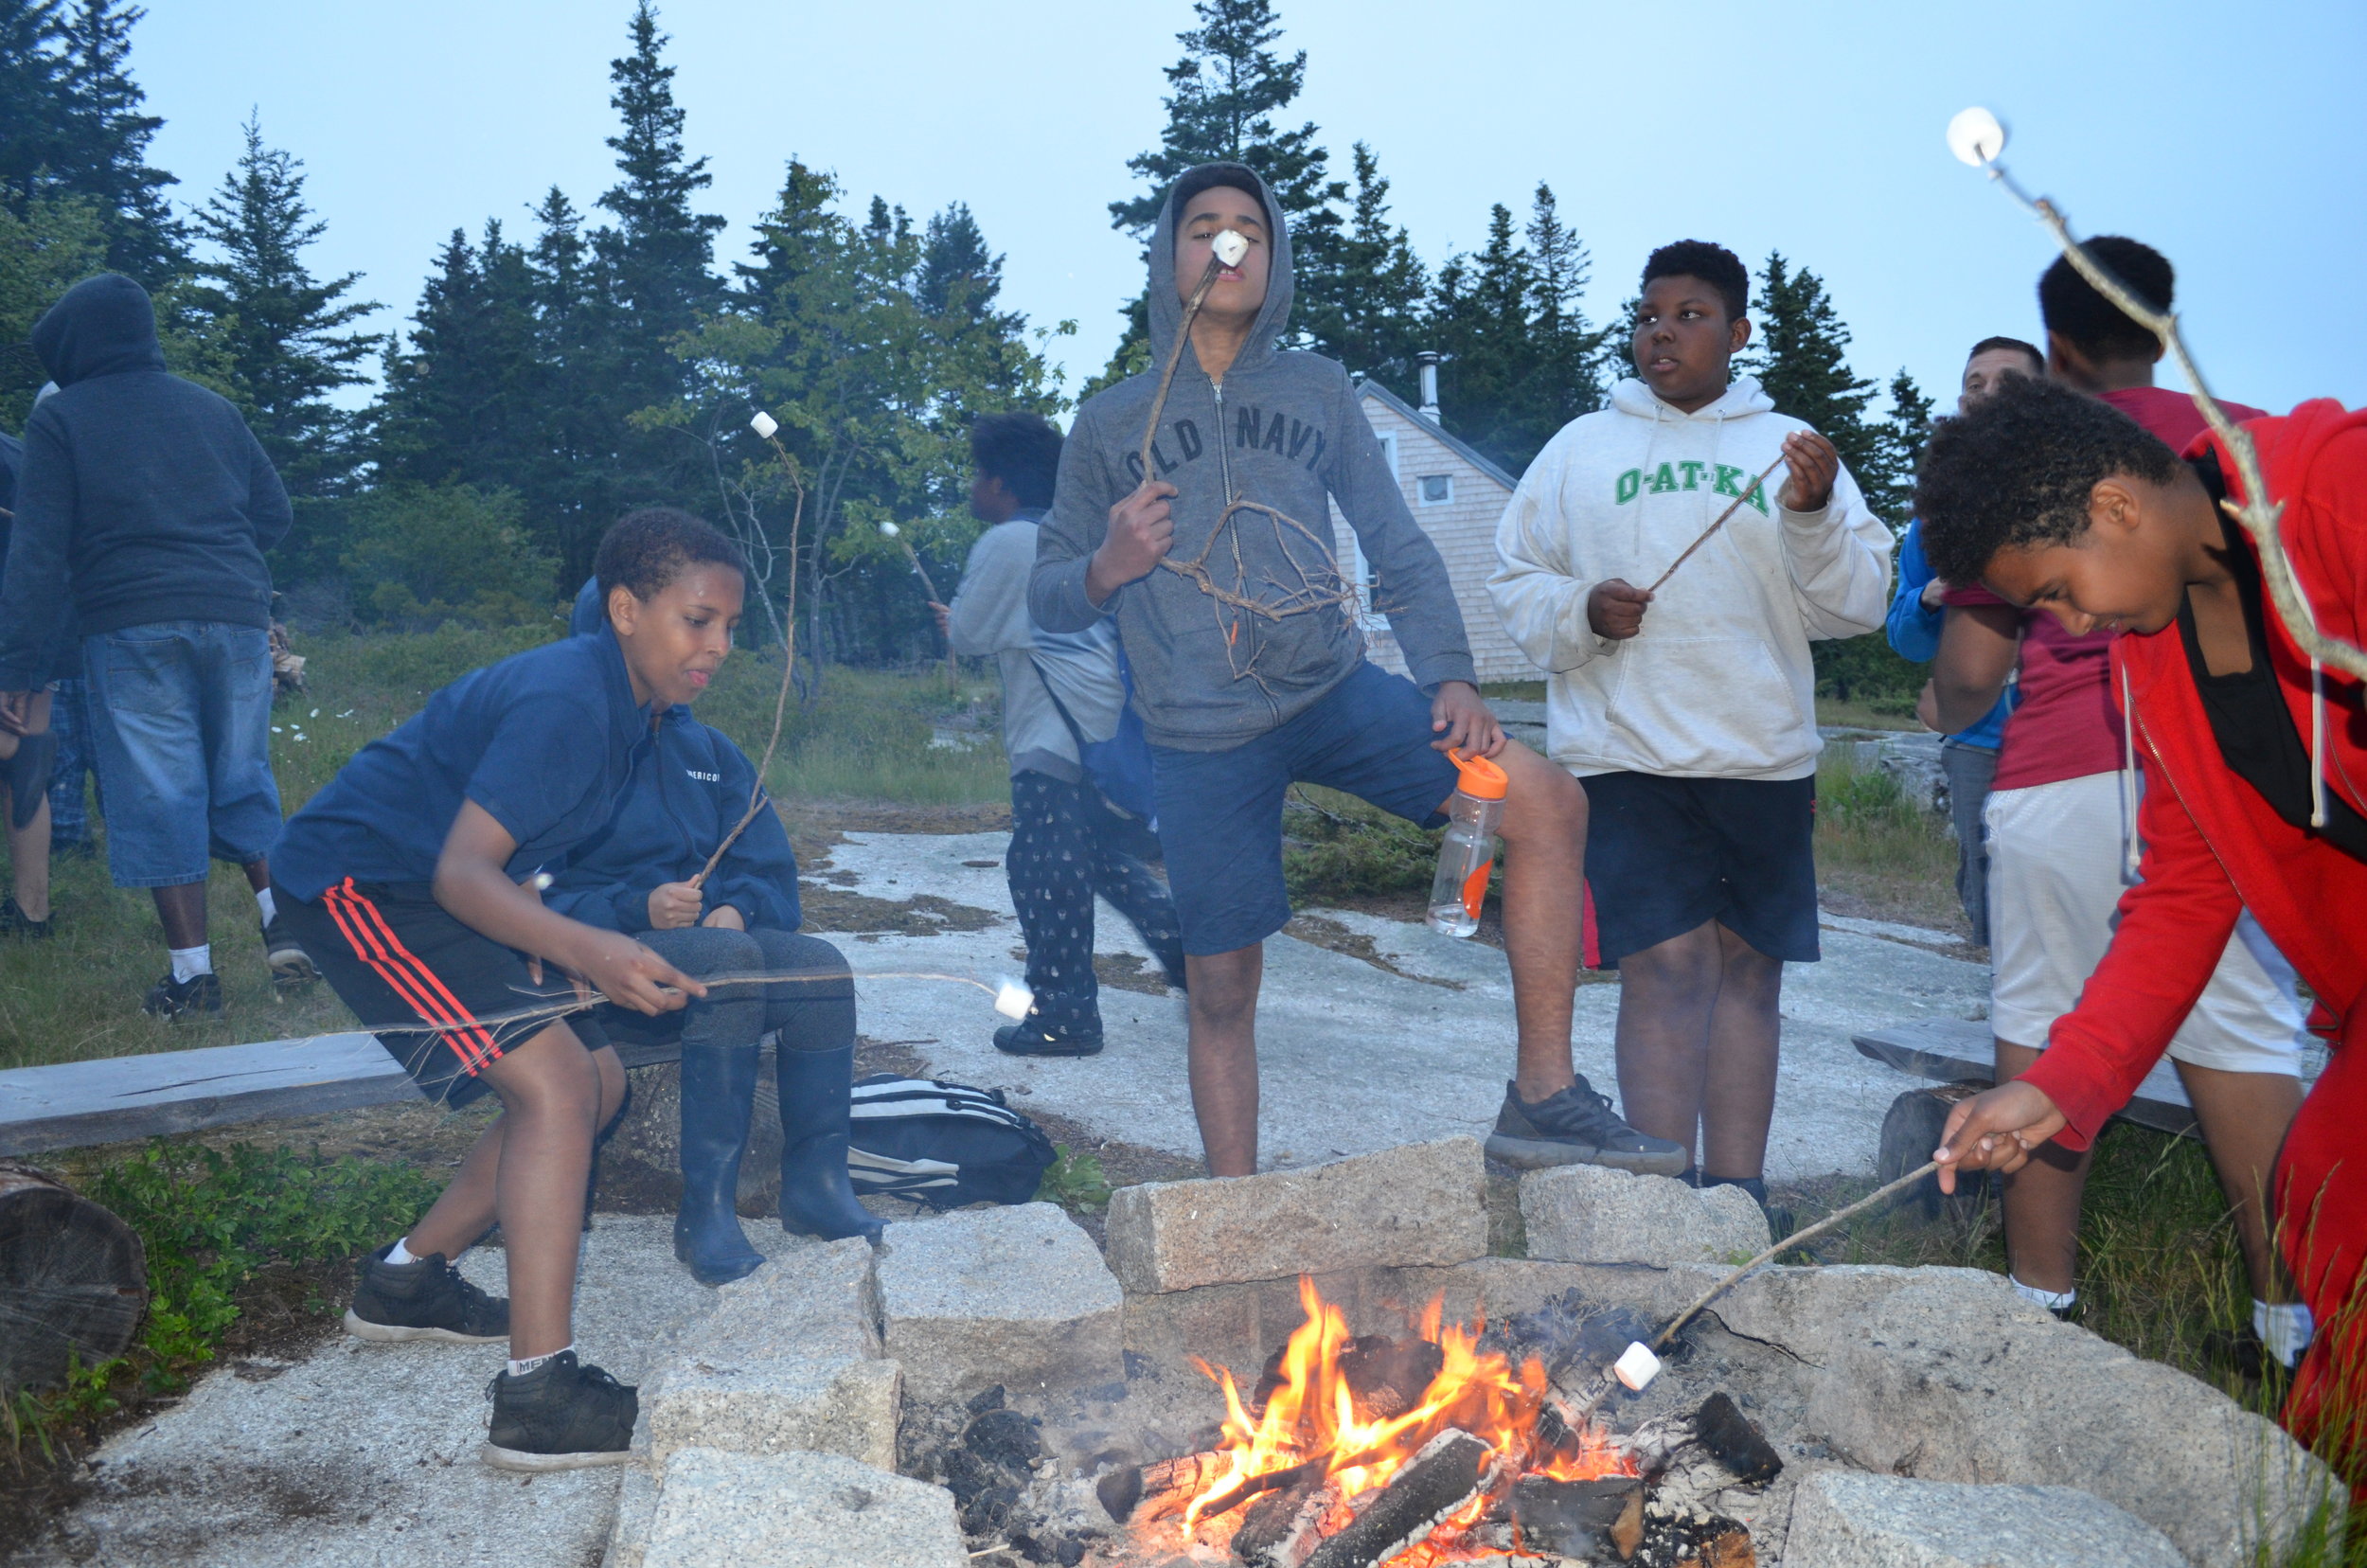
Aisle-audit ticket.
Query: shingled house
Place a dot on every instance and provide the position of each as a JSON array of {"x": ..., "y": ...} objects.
[{"x": 1456, "y": 495}]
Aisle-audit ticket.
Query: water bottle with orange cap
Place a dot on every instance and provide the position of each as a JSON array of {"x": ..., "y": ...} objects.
[{"x": 1470, "y": 850}]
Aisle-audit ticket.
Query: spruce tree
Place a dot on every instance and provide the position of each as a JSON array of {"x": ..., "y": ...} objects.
[
  {"x": 660, "y": 251},
  {"x": 1222, "y": 99},
  {"x": 1480, "y": 312},
  {"x": 957, "y": 270},
  {"x": 107, "y": 139},
  {"x": 283, "y": 329},
  {"x": 1802, "y": 360},
  {"x": 33, "y": 113},
  {"x": 1371, "y": 319},
  {"x": 463, "y": 403},
  {"x": 571, "y": 499}
]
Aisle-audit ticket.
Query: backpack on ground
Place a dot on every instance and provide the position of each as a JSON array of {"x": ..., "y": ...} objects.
[{"x": 942, "y": 1144}]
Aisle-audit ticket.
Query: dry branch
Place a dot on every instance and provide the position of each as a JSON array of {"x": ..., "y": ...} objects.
[{"x": 1747, "y": 493}]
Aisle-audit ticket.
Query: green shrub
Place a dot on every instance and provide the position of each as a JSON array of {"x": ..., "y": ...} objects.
[
  {"x": 422, "y": 555},
  {"x": 211, "y": 1220},
  {"x": 1336, "y": 847}
]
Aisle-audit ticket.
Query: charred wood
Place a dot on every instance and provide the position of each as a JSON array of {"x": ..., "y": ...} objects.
[
  {"x": 1451, "y": 1470},
  {"x": 1124, "y": 1491},
  {"x": 1282, "y": 1529}
]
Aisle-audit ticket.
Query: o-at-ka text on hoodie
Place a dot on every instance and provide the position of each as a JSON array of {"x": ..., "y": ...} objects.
[
  {"x": 1718, "y": 683},
  {"x": 1285, "y": 430}
]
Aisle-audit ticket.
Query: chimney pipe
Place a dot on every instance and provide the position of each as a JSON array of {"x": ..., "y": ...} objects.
[{"x": 1427, "y": 359}]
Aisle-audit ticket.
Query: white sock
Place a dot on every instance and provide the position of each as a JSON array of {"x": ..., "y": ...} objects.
[
  {"x": 2053, "y": 1301},
  {"x": 401, "y": 1254},
  {"x": 520, "y": 1368},
  {"x": 2286, "y": 1330},
  {"x": 263, "y": 902},
  {"x": 188, "y": 963}
]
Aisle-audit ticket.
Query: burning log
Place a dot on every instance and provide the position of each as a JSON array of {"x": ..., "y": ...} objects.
[
  {"x": 1282, "y": 1529},
  {"x": 1450, "y": 1470},
  {"x": 1574, "y": 1518},
  {"x": 1124, "y": 1491}
]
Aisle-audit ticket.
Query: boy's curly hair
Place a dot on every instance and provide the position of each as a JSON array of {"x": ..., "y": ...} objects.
[
  {"x": 2015, "y": 472},
  {"x": 1021, "y": 450},
  {"x": 1721, "y": 268},
  {"x": 2070, "y": 306},
  {"x": 650, "y": 547}
]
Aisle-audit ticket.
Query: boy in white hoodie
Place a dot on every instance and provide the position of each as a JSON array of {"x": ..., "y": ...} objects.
[{"x": 1689, "y": 710}]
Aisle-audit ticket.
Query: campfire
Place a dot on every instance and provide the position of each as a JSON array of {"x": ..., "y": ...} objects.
[{"x": 1446, "y": 1444}]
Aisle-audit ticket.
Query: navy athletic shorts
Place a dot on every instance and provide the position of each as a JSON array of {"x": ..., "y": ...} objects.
[
  {"x": 1220, "y": 812},
  {"x": 431, "y": 990},
  {"x": 1665, "y": 855}
]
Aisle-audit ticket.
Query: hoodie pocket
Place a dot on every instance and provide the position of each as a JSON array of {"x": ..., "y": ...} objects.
[{"x": 1706, "y": 706}]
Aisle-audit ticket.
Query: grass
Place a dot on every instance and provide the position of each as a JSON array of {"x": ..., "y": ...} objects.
[
  {"x": 212, "y": 1224},
  {"x": 1880, "y": 854}
]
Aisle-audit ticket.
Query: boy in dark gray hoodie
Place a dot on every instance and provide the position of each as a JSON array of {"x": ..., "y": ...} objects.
[
  {"x": 143, "y": 511},
  {"x": 1207, "y": 537}
]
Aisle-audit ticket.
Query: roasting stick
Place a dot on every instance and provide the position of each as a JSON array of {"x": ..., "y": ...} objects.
[
  {"x": 1585, "y": 1407},
  {"x": 1704, "y": 539},
  {"x": 768, "y": 430}
]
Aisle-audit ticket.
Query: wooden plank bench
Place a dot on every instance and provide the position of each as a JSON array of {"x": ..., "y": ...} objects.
[
  {"x": 1954, "y": 1050},
  {"x": 115, "y": 1098}
]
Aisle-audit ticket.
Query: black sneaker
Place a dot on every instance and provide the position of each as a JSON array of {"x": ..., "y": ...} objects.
[
  {"x": 19, "y": 926},
  {"x": 1034, "y": 1039},
  {"x": 560, "y": 1416},
  {"x": 423, "y": 1299},
  {"x": 173, "y": 1000},
  {"x": 290, "y": 970},
  {"x": 1576, "y": 1126}
]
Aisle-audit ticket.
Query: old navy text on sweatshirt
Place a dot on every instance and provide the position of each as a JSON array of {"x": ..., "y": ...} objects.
[{"x": 1719, "y": 683}]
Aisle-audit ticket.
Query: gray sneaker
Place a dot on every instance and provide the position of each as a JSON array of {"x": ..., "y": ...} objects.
[{"x": 1576, "y": 1126}]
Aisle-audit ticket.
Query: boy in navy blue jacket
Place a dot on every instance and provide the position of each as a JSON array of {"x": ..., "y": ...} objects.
[
  {"x": 640, "y": 877},
  {"x": 410, "y": 882}
]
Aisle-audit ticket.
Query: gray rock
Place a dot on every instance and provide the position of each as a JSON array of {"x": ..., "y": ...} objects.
[
  {"x": 1843, "y": 1519},
  {"x": 789, "y": 1359},
  {"x": 1015, "y": 1295},
  {"x": 1592, "y": 1214},
  {"x": 797, "y": 1510},
  {"x": 1411, "y": 1205},
  {"x": 1942, "y": 1382}
]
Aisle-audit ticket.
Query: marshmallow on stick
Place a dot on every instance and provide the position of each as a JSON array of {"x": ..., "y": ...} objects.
[{"x": 1230, "y": 247}]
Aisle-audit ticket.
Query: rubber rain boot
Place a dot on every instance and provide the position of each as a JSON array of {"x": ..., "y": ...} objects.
[
  {"x": 719, "y": 1091},
  {"x": 817, "y": 1087}
]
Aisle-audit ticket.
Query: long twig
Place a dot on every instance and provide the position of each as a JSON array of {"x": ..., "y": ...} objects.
[
  {"x": 1585, "y": 1407},
  {"x": 1747, "y": 493},
  {"x": 757, "y": 799},
  {"x": 2257, "y": 513}
]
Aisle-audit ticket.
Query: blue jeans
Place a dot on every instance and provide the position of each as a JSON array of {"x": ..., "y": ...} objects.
[
  {"x": 69, "y": 804},
  {"x": 181, "y": 721}
]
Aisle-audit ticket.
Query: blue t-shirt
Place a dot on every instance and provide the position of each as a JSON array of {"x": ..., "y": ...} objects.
[
  {"x": 544, "y": 741},
  {"x": 1914, "y": 633}
]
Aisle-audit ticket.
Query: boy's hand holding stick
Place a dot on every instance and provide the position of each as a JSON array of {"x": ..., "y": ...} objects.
[{"x": 952, "y": 670}]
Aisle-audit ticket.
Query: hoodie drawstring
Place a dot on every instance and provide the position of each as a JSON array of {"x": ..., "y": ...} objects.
[
  {"x": 2132, "y": 851},
  {"x": 2317, "y": 745}
]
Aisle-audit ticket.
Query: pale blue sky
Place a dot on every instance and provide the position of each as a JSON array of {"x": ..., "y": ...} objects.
[{"x": 2232, "y": 138}]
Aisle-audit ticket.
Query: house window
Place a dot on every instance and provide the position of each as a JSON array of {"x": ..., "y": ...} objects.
[
  {"x": 1389, "y": 450},
  {"x": 1436, "y": 488}
]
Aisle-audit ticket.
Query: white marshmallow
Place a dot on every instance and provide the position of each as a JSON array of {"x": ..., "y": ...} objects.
[
  {"x": 764, "y": 425},
  {"x": 1013, "y": 1000},
  {"x": 1636, "y": 1366},
  {"x": 1230, "y": 247},
  {"x": 889, "y": 530},
  {"x": 1976, "y": 137}
]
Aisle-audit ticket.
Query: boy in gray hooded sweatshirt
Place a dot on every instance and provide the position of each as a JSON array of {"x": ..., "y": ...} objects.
[{"x": 1250, "y": 670}]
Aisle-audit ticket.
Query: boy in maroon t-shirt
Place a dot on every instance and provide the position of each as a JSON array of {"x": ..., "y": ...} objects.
[{"x": 2061, "y": 822}]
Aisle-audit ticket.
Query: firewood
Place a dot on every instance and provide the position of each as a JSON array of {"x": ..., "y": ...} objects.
[
  {"x": 72, "y": 1276},
  {"x": 1572, "y": 1518},
  {"x": 1451, "y": 1470},
  {"x": 1125, "y": 1490},
  {"x": 1730, "y": 1549},
  {"x": 1282, "y": 1529},
  {"x": 1389, "y": 1376},
  {"x": 1735, "y": 1441}
]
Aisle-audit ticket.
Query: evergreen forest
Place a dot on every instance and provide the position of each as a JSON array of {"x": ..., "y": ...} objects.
[{"x": 609, "y": 352}]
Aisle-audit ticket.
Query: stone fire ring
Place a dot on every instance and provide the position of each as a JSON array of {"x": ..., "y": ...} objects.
[{"x": 1924, "y": 1416}]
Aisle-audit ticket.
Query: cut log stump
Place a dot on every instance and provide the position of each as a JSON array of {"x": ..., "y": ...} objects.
[{"x": 72, "y": 1280}]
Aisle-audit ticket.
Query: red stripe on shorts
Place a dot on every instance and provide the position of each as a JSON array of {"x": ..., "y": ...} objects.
[{"x": 373, "y": 940}]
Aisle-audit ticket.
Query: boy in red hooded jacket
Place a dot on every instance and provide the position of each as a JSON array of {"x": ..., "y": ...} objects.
[{"x": 2258, "y": 759}]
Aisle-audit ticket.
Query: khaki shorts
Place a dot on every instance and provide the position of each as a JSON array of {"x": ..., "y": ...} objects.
[{"x": 2054, "y": 882}]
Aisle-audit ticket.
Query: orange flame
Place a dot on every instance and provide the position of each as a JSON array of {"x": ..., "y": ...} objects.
[{"x": 1314, "y": 1416}]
